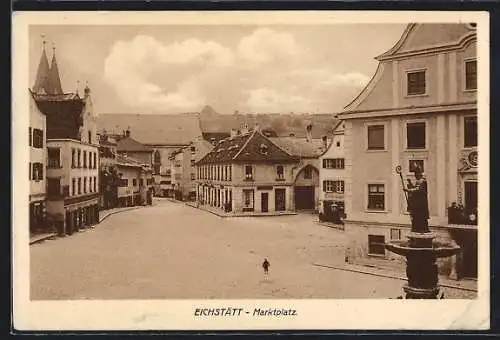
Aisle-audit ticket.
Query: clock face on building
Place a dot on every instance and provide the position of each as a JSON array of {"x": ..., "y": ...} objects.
[{"x": 473, "y": 158}]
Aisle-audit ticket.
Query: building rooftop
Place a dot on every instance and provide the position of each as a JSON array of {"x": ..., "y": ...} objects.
[
  {"x": 129, "y": 144},
  {"x": 152, "y": 129},
  {"x": 249, "y": 147},
  {"x": 299, "y": 147}
]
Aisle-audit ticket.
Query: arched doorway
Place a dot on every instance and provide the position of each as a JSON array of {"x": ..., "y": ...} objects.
[{"x": 306, "y": 187}]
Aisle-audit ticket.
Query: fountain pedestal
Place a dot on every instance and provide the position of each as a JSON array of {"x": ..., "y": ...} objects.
[{"x": 421, "y": 266}]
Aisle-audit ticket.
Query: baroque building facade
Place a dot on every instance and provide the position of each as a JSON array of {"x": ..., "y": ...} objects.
[{"x": 418, "y": 110}]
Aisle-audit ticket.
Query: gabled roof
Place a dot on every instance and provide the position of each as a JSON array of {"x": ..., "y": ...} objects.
[
  {"x": 128, "y": 144},
  {"x": 299, "y": 147},
  {"x": 429, "y": 36},
  {"x": 247, "y": 148}
]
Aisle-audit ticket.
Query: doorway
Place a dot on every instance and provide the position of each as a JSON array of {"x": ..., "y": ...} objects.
[
  {"x": 304, "y": 198},
  {"x": 264, "y": 201},
  {"x": 280, "y": 199},
  {"x": 470, "y": 195}
]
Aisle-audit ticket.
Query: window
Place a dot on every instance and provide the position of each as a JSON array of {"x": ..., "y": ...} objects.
[
  {"x": 414, "y": 163},
  {"x": 90, "y": 137},
  {"x": 395, "y": 234},
  {"x": 307, "y": 172},
  {"x": 37, "y": 138},
  {"x": 192, "y": 162},
  {"x": 192, "y": 176},
  {"x": 79, "y": 186},
  {"x": 471, "y": 75},
  {"x": 141, "y": 182},
  {"x": 134, "y": 182},
  {"x": 84, "y": 185},
  {"x": 248, "y": 199},
  {"x": 333, "y": 186},
  {"x": 73, "y": 162},
  {"x": 470, "y": 132},
  {"x": 415, "y": 135},
  {"x": 84, "y": 159},
  {"x": 338, "y": 144},
  {"x": 376, "y": 244},
  {"x": 95, "y": 184},
  {"x": 73, "y": 186},
  {"x": 376, "y": 197},
  {"x": 333, "y": 163},
  {"x": 54, "y": 158},
  {"x": 53, "y": 186},
  {"x": 90, "y": 184},
  {"x": 280, "y": 173},
  {"x": 248, "y": 172},
  {"x": 416, "y": 83},
  {"x": 230, "y": 172},
  {"x": 376, "y": 138},
  {"x": 37, "y": 173},
  {"x": 193, "y": 149},
  {"x": 95, "y": 160},
  {"x": 30, "y": 135},
  {"x": 79, "y": 158},
  {"x": 90, "y": 160}
]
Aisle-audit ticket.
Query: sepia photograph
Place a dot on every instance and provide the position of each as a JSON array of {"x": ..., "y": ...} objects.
[{"x": 282, "y": 158}]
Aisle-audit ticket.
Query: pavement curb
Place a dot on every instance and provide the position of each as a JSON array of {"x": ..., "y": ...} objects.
[
  {"x": 397, "y": 277},
  {"x": 119, "y": 211},
  {"x": 43, "y": 238},
  {"x": 237, "y": 215}
]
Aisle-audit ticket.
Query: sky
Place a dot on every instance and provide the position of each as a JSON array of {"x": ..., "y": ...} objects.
[{"x": 180, "y": 68}]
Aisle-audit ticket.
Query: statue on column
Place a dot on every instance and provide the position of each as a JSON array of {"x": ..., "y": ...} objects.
[{"x": 418, "y": 205}]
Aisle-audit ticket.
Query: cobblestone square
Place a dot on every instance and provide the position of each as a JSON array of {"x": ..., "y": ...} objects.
[{"x": 171, "y": 250}]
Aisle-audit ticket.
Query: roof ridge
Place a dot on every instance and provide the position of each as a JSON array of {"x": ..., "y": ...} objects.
[{"x": 244, "y": 145}]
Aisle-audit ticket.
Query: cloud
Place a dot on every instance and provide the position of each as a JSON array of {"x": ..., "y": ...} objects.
[
  {"x": 265, "y": 45},
  {"x": 266, "y": 71},
  {"x": 146, "y": 73}
]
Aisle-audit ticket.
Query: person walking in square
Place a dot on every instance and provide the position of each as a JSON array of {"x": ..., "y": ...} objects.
[{"x": 266, "y": 266}]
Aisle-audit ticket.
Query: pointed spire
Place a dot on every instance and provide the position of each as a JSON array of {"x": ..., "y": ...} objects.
[
  {"x": 54, "y": 79},
  {"x": 42, "y": 74}
]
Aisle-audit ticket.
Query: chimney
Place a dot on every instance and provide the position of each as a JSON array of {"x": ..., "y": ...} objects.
[
  {"x": 234, "y": 132},
  {"x": 309, "y": 132},
  {"x": 324, "y": 139}
]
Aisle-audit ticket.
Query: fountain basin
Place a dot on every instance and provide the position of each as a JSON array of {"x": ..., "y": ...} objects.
[{"x": 402, "y": 248}]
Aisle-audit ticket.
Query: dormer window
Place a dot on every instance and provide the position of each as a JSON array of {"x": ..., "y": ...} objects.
[{"x": 263, "y": 149}]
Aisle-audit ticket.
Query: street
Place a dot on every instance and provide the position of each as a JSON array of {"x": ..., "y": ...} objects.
[{"x": 170, "y": 250}]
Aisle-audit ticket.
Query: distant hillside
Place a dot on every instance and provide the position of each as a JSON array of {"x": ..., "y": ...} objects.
[
  {"x": 283, "y": 125},
  {"x": 183, "y": 128}
]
